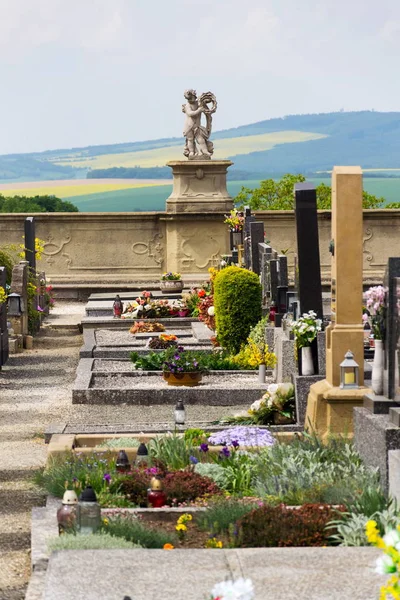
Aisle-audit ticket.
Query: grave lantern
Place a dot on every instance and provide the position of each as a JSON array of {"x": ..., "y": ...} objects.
[
  {"x": 142, "y": 455},
  {"x": 88, "y": 514},
  {"x": 349, "y": 372},
  {"x": 118, "y": 307},
  {"x": 156, "y": 496},
  {"x": 15, "y": 306},
  {"x": 179, "y": 413},
  {"x": 122, "y": 463},
  {"x": 66, "y": 514}
]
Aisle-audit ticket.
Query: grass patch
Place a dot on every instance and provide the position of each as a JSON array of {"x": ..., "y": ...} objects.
[{"x": 97, "y": 541}]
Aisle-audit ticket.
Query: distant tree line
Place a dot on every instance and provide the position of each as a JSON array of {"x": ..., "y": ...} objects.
[
  {"x": 131, "y": 173},
  {"x": 278, "y": 195},
  {"x": 35, "y": 204}
]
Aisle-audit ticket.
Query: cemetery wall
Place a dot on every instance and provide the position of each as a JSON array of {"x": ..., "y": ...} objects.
[{"x": 123, "y": 247}]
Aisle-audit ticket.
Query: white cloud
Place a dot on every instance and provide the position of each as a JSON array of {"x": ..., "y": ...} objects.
[{"x": 390, "y": 31}]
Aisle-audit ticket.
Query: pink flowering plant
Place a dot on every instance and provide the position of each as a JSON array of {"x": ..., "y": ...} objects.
[{"x": 375, "y": 300}]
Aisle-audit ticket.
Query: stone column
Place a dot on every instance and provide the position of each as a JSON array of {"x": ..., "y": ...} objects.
[{"x": 330, "y": 408}]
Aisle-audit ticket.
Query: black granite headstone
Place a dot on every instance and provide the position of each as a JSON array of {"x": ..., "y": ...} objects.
[
  {"x": 310, "y": 289},
  {"x": 4, "y": 348},
  {"x": 274, "y": 279},
  {"x": 392, "y": 333},
  {"x": 283, "y": 270},
  {"x": 30, "y": 254},
  {"x": 256, "y": 237}
]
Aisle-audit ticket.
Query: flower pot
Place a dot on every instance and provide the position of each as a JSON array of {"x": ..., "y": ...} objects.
[
  {"x": 237, "y": 238},
  {"x": 189, "y": 379},
  {"x": 307, "y": 364},
  {"x": 262, "y": 370},
  {"x": 169, "y": 286},
  {"x": 377, "y": 368},
  {"x": 281, "y": 419},
  {"x": 183, "y": 313}
]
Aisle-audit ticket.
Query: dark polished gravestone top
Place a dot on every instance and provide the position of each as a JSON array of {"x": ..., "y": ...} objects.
[
  {"x": 4, "y": 347},
  {"x": 30, "y": 252},
  {"x": 256, "y": 238},
  {"x": 392, "y": 334},
  {"x": 310, "y": 289}
]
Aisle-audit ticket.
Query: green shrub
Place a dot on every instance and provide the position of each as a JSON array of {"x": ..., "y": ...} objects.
[
  {"x": 6, "y": 261},
  {"x": 97, "y": 541},
  {"x": 172, "y": 450},
  {"x": 134, "y": 530},
  {"x": 237, "y": 300},
  {"x": 214, "y": 471},
  {"x": 133, "y": 486},
  {"x": 122, "y": 442},
  {"x": 223, "y": 513},
  {"x": 271, "y": 526}
]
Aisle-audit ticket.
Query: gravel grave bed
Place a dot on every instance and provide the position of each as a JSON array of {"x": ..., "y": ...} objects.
[
  {"x": 108, "y": 337},
  {"x": 155, "y": 381}
]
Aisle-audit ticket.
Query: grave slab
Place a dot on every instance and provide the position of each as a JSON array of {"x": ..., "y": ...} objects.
[{"x": 278, "y": 573}]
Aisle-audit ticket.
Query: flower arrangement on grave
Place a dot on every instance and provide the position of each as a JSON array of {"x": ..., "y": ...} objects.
[
  {"x": 375, "y": 302},
  {"x": 207, "y": 311},
  {"x": 239, "y": 589},
  {"x": 147, "y": 307},
  {"x": 178, "y": 360},
  {"x": 305, "y": 329},
  {"x": 171, "y": 276},
  {"x": 235, "y": 220},
  {"x": 277, "y": 405},
  {"x": 3, "y": 295},
  {"x": 389, "y": 563},
  {"x": 142, "y": 327},
  {"x": 163, "y": 342}
]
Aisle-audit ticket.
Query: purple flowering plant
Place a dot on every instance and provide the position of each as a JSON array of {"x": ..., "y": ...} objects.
[
  {"x": 179, "y": 360},
  {"x": 244, "y": 436}
]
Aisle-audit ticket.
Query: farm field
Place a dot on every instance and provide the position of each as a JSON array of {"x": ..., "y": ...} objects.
[
  {"x": 70, "y": 188},
  {"x": 160, "y": 156}
]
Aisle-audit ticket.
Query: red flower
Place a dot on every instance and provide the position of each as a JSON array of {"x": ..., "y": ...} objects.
[{"x": 201, "y": 293}]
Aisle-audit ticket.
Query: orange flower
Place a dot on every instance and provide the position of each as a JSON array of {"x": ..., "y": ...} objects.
[
  {"x": 201, "y": 293},
  {"x": 168, "y": 547}
]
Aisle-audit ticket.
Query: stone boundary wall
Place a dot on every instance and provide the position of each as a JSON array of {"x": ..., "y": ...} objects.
[{"x": 118, "y": 248}]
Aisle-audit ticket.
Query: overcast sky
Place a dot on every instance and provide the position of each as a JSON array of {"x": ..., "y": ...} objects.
[{"x": 80, "y": 72}]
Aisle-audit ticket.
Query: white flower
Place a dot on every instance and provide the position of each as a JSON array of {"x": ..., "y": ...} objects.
[
  {"x": 286, "y": 388},
  {"x": 391, "y": 538},
  {"x": 273, "y": 388},
  {"x": 256, "y": 405},
  {"x": 385, "y": 565},
  {"x": 211, "y": 311},
  {"x": 147, "y": 307},
  {"x": 241, "y": 589}
]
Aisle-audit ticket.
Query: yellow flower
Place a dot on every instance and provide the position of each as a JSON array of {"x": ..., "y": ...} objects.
[
  {"x": 105, "y": 521},
  {"x": 168, "y": 547},
  {"x": 181, "y": 527},
  {"x": 214, "y": 543},
  {"x": 184, "y": 518}
]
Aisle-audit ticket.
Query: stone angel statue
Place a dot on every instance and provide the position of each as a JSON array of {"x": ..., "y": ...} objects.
[{"x": 198, "y": 145}]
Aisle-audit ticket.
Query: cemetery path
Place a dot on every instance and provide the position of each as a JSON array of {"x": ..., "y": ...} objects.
[{"x": 35, "y": 390}]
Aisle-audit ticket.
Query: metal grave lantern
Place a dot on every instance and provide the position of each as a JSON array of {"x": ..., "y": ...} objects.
[
  {"x": 15, "y": 305},
  {"x": 349, "y": 372},
  {"x": 179, "y": 413}
]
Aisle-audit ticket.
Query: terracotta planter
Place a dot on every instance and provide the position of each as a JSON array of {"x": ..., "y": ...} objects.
[
  {"x": 282, "y": 420},
  {"x": 189, "y": 379},
  {"x": 171, "y": 286}
]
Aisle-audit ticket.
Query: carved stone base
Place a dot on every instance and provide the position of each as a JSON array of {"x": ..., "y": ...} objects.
[{"x": 199, "y": 185}]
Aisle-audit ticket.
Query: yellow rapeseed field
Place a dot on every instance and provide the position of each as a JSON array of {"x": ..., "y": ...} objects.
[
  {"x": 223, "y": 148},
  {"x": 66, "y": 191}
]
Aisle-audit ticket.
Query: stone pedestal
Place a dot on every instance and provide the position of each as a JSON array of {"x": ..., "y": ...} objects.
[{"x": 199, "y": 186}]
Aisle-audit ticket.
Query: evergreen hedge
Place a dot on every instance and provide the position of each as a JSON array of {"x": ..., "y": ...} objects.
[{"x": 237, "y": 301}]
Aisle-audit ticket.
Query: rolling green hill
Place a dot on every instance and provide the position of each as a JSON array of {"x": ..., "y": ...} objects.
[{"x": 295, "y": 143}]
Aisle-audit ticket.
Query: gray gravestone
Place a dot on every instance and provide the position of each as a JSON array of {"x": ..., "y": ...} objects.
[
  {"x": 256, "y": 237},
  {"x": 30, "y": 254},
  {"x": 310, "y": 288},
  {"x": 274, "y": 279},
  {"x": 4, "y": 348},
  {"x": 248, "y": 218}
]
